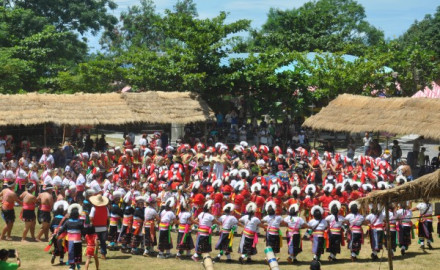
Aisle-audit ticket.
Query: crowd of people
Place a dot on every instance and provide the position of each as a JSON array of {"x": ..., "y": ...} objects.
[{"x": 131, "y": 199}]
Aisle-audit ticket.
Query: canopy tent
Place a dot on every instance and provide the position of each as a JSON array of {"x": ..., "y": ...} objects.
[
  {"x": 429, "y": 92},
  {"x": 104, "y": 109},
  {"x": 352, "y": 113},
  {"x": 425, "y": 187}
]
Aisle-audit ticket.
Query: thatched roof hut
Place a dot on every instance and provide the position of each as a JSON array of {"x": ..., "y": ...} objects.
[
  {"x": 169, "y": 107},
  {"x": 352, "y": 113},
  {"x": 427, "y": 186},
  {"x": 103, "y": 109}
]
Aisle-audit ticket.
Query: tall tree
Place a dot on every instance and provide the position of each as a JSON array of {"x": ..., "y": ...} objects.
[
  {"x": 78, "y": 15},
  {"x": 31, "y": 42},
  {"x": 138, "y": 28},
  {"x": 327, "y": 25},
  {"x": 425, "y": 33}
]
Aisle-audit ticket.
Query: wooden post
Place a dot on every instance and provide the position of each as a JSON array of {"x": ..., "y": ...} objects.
[
  {"x": 64, "y": 134},
  {"x": 390, "y": 252},
  {"x": 314, "y": 139},
  {"x": 205, "y": 133},
  {"x": 44, "y": 135}
]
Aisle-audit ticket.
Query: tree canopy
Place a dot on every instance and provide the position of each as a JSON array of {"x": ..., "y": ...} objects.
[
  {"x": 43, "y": 48},
  {"x": 327, "y": 25}
]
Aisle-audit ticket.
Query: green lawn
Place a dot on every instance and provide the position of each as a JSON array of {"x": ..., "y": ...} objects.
[{"x": 34, "y": 257}]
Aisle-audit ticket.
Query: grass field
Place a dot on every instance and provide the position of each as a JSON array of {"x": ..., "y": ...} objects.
[{"x": 34, "y": 257}]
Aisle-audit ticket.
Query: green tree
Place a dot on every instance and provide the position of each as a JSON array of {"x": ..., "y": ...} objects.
[
  {"x": 138, "y": 28},
  {"x": 78, "y": 15},
  {"x": 32, "y": 42},
  {"x": 424, "y": 34},
  {"x": 327, "y": 25}
]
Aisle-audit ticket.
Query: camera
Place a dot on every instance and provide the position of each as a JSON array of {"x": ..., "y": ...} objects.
[{"x": 11, "y": 253}]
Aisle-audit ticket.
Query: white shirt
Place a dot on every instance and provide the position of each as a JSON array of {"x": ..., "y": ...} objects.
[
  {"x": 318, "y": 225},
  {"x": 355, "y": 220},
  {"x": 47, "y": 180},
  {"x": 167, "y": 217},
  {"x": 47, "y": 159},
  {"x": 333, "y": 224},
  {"x": 143, "y": 142},
  {"x": 21, "y": 173},
  {"x": 404, "y": 215},
  {"x": 251, "y": 224},
  {"x": 367, "y": 141},
  {"x": 294, "y": 222},
  {"x": 80, "y": 180},
  {"x": 205, "y": 219},
  {"x": 2, "y": 146},
  {"x": 422, "y": 209},
  {"x": 228, "y": 221},
  {"x": 57, "y": 181},
  {"x": 375, "y": 220},
  {"x": 185, "y": 218},
  {"x": 150, "y": 213},
  {"x": 273, "y": 221}
]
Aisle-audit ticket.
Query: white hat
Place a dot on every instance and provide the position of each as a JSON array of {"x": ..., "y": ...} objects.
[
  {"x": 217, "y": 183},
  {"x": 341, "y": 186},
  {"x": 317, "y": 207},
  {"x": 196, "y": 185},
  {"x": 294, "y": 206},
  {"x": 328, "y": 187},
  {"x": 355, "y": 183},
  {"x": 401, "y": 179},
  {"x": 75, "y": 205},
  {"x": 256, "y": 187},
  {"x": 231, "y": 207},
  {"x": 270, "y": 204},
  {"x": 244, "y": 144},
  {"x": 251, "y": 207},
  {"x": 261, "y": 162},
  {"x": 140, "y": 199},
  {"x": 233, "y": 172},
  {"x": 117, "y": 194},
  {"x": 383, "y": 185},
  {"x": 246, "y": 172},
  {"x": 183, "y": 202},
  {"x": 273, "y": 189},
  {"x": 170, "y": 202},
  {"x": 367, "y": 187},
  {"x": 310, "y": 187},
  {"x": 209, "y": 204},
  {"x": 354, "y": 203},
  {"x": 61, "y": 203},
  {"x": 334, "y": 203},
  {"x": 295, "y": 188},
  {"x": 239, "y": 186},
  {"x": 238, "y": 148}
]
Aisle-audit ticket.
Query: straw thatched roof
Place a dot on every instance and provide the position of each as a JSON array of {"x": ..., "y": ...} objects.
[
  {"x": 103, "y": 109},
  {"x": 169, "y": 107},
  {"x": 351, "y": 113},
  {"x": 425, "y": 187}
]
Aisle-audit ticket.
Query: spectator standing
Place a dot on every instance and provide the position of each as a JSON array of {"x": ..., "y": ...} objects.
[
  {"x": 2, "y": 147},
  {"x": 396, "y": 153},
  {"x": 367, "y": 141},
  {"x": 416, "y": 150},
  {"x": 351, "y": 148}
]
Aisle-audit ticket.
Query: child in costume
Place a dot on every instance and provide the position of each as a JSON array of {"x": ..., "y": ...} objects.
[
  {"x": 92, "y": 247},
  {"x": 294, "y": 224},
  {"x": 229, "y": 224}
]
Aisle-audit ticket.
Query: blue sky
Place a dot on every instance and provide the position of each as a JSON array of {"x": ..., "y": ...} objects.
[{"x": 392, "y": 16}]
